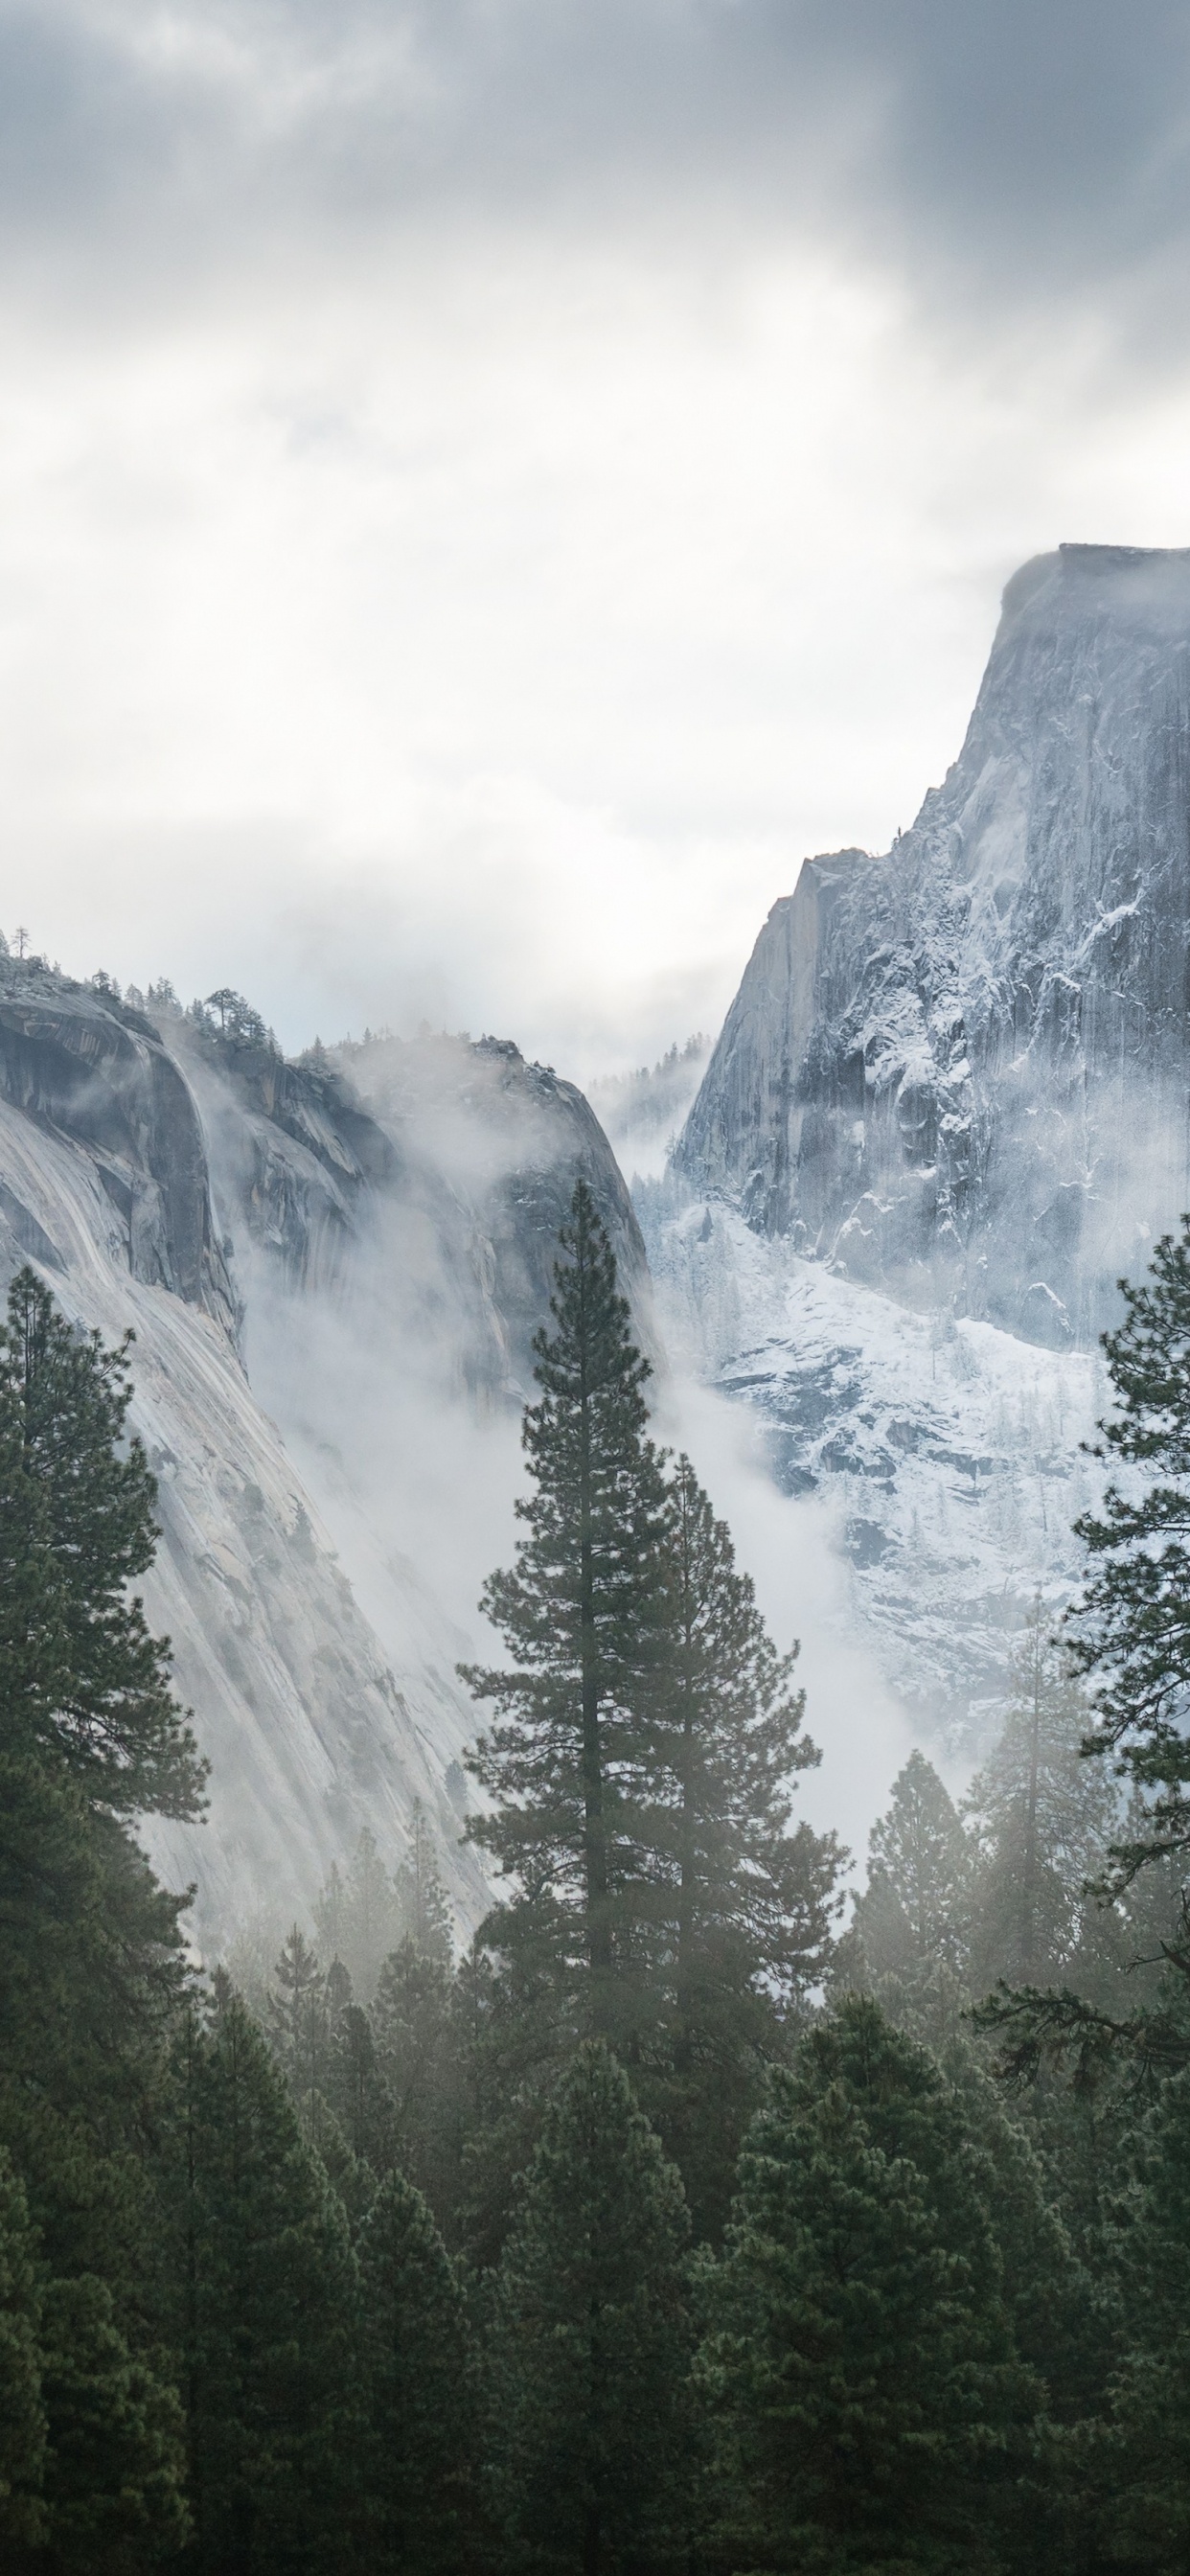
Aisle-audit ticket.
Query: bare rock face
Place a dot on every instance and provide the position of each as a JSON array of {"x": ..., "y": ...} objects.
[
  {"x": 959, "y": 1072},
  {"x": 82, "y": 1066},
  {"x": 333, "y": 1297}
]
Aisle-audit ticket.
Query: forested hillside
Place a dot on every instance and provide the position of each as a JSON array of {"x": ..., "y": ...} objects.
[{"x": 680, "y": 2223}]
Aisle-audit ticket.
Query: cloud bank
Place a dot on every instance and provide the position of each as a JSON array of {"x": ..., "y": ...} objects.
[{"x": 486, "y": 487}]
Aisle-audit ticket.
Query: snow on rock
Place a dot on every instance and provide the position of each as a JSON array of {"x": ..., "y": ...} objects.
[
  {"x": 946, "y": 1453},
  {"x": 959, "y": 1072},
  {"x": 946, "y": 1113}
]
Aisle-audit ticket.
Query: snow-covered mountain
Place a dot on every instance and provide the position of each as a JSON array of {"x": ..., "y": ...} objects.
[
  {"x": 947, "y": 1110},
  {"x": 333, "y": 1282},
  {"x": 946, "y": 1456},
  {"x": 958, "y": 1072}
]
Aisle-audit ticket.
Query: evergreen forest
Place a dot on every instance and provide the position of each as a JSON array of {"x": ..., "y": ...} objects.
[{"x": 691, "y": 2221}]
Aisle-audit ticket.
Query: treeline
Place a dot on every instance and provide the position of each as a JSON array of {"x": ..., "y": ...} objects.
[{"x": 667, "y": 2229}]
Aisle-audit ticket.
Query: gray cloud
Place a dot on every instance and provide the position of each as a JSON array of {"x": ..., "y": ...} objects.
[{"x": 1034, "y": 146}]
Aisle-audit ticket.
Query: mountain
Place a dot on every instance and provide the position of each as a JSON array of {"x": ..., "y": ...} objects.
[
  {"x": 333, "y": 1271},
  {"x": 958, "y": 1072},
  {"x": 947, "y": 1110}
]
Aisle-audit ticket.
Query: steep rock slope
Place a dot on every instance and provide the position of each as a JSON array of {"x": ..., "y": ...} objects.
[
  {"x": 947, "y": 1456},
  {"x": 229, "y": 1207},
  {"x": 958, "y": 1072}
]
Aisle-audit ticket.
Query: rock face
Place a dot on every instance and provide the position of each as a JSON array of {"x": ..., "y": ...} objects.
[
  {"x": 946, "y": 1456},
  {"x": 959, "y": 1072},
  {"x": 333, "y": 1298},
  {"x": 101, "y": 1076}
]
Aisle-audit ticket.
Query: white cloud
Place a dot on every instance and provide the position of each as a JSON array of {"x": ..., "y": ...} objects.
[{"x": 489, "y": 625}]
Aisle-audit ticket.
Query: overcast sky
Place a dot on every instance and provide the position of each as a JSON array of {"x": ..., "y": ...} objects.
[{"x": 486, "y": 487}]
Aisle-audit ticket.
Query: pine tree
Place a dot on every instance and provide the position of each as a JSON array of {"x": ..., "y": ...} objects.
[
  {"x": 358, "y": 1916},
  {"x": 22, "y": 2411},
  {"x": 92, "y": 1952},
  {"x": 420, "y": 2456},
  {"x": 264, "y": 2315},
  {"x": 105, "y": 1707},
  {"x": 423, "y": 1908},
  {"x": 861, "y": 2362},
  {"x": 580, "y": 1613},
  {"x": 1131, "y": 1627},
  {"x": 739, "y": 1908},
  {"x": 915, "y": 1910},
  {"x": 115, "y": 2470},
  {"x": 1146, "y": 2467},
  {"x": 412, "y": 2023},
  {"x": 716, "y": 1780},
  {"x": 356, "y": 2091},
  {"x": 1043, "y": 1819},
  {"x": 591, "y": 2349},
  {"x": 297, "y": 2021}
]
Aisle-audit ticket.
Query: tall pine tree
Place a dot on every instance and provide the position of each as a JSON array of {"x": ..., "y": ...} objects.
[
  {"x": 1146, "y": 2457},
  {"x": 104, "y": 1705},
  {"x": 422, "y": 2429},
  {"x": 1131, "y": 1628},
  {"x": 23, "y": 2426},
  {"x": 861, "y": 2360},
  {"x": 590, "y": 2354},
  {"x": 738, "y": 1907},
  {"x": 89, "y": 1736},
  {"x": 262, "y": 2295},
  {"x": 1043, "y": 1819},
  {"x": 915, "y": 1911},
  {"x": 581, "y": 1613}
]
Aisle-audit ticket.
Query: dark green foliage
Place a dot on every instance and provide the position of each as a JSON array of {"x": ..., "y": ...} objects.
[
  {"x": 736, "y": 1908},
  {"x": 92, "y": 1683},
  {"x": 580, "y": 1613},
  {"x": 591, "y": 2460},
  {"x": 862, "y": 2361},
  {"x": 1043, "y": 1819},
  {"x": 915, "y": 1911},
  {"x": 412, "y": 2022},
  {"x": 1148, "y": 2456},
  {"x": 356, "y": 2091},
  {"x": 948, "y": 2330},
  {"x": 22, "y": 2410},
  {"x": 263, "y": 2311},
  {"x": 737, "y": 1896},
  {"x": 297, "y": 2021},
  {"x": 90, "y": 1943},
  {"x": 420, "y": 2460},
  {"x": 115, "y": 2470},
  {"x": 642, "y": 1772},
  {"x": 423, "y": 1908},
  {"x": 1131, "y": 1629}
]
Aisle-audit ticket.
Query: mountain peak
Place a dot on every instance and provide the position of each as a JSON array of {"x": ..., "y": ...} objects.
[{"x": 940, "y": 1064}]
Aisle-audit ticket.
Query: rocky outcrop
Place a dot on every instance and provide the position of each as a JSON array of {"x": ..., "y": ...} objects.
[
  {"x": 320, "y": 1284},
  {"x": 509, "y": 1139},
  {"x": 81, "y": 1066},
  {"x": 959, "y": 1072}
]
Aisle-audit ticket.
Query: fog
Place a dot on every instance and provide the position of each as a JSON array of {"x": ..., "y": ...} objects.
[
  {"x": 378, "y": 1375},
  {"x": 792, "y": 1551},
  {"x": 484, "y": 491}
]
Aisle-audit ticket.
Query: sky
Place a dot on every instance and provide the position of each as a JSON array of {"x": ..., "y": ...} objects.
[{"x": 487, "y": 486}]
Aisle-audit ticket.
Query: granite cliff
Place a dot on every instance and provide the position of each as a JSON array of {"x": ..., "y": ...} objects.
[
  {"x": 947, "y": 1110},
  {"x": 333, "y": 1270},
  {"x": 959, "y": 1072}
]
